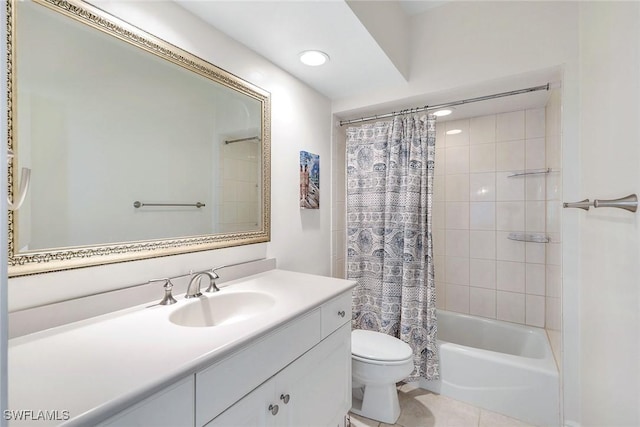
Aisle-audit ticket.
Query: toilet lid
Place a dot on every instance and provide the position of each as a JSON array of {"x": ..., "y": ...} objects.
[{"x": 378, "y": 346}]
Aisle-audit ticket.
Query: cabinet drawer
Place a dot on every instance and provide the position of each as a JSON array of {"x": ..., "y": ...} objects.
[
  {"x": 336, "y": 313},
  {"x": 224, "y": 383}
]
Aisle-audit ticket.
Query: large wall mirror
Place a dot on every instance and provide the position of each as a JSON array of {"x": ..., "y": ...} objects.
[{"x": 135, "y": 148}]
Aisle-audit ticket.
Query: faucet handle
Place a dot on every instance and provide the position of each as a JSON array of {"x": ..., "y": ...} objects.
[
  {"x": 168, "y": 299},
  {"x": 212, "y": 282}
]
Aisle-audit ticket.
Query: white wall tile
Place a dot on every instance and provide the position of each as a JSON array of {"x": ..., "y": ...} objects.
[
  {"x": 482, "y": 302},
  {"x": 440, "y": 161},
  {"x": 554, "y": 281},
  {"x": 457, "y": 243},
  {"x": 439, "y": 268},
  {"x": 439, "y": 188},
  {"x": 509, "y": 188},
  {"x": 510, "y": 126},
  {"x": 554, "y": 186},
  {"x": 441, "y": 295},
  {"x": 457, "y": 215},
  {"x": 510, "y": 156},
  {"x": 554, "y": 254},
  {"x": 554, "y": 212},
  {"x": 482, "y": 187},
  {"x": 510, "y": 276},
  {"x": 535, "y": 315},
  {"x": 461, "y": 138},
  {"x": 482, "y": 273},
  {"x": 534, "y": 153},
  {"x": 535, "y": 123},
  {"x": 553, "y": 310},
  {"x": 457, "y": 160},
  {"x": 482, "y": 130},
  {"x": 535, "y": 252},
  {"x": 507, "y": 249},
  {"x": 535, "y": 187},
  {"x": 458, "y": 298},
  {"x": 535, "y": 216},
  {"x": 457, "y": 188},
  {"x": 457, "y": 270},
  {"x": 482, "y": 244},
  {"x": 438, "y": 215},
  {"x": 482, "y": 158},
  {"x": 510, "y": 216},
  {"x": 553, "y": 152},
  {"x": 438, "y": 237},
  {"x": 441, "y": 128},
  {"x": 482, "y": 216},
  {"x": 535, "y": 279},
  {"x": 510, "y": 307}
]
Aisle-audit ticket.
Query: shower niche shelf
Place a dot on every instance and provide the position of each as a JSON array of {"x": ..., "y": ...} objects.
[
  {"x": 528, "y": 172},
  {"x": 528, "y": 237}
]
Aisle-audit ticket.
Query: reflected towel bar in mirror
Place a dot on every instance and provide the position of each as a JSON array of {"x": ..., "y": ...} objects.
[{"x": 138, "y": 204}]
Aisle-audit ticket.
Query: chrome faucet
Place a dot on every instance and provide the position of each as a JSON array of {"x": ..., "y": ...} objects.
[{"x": 196, "y": 278}]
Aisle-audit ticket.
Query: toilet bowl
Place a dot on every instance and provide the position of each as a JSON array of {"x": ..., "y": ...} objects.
[{"x": 378, "y": 362}]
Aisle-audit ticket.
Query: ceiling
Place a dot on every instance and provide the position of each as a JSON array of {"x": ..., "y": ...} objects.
[{"x": 359, "y": 59}]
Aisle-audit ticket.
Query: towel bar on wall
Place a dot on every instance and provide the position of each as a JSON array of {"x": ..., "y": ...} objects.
[
  {"x": 138, "y": 204},
  {"x": 628, "y": 203}
]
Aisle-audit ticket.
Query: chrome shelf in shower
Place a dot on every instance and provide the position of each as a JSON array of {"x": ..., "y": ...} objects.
[{"x": 529, "y": 237}]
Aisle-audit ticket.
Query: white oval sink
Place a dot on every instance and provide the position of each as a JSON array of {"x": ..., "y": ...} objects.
[{"x": 222, "y": 309}]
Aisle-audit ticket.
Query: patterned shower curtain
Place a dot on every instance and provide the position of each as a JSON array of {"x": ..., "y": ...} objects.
[{"x": 389, "y": 198}]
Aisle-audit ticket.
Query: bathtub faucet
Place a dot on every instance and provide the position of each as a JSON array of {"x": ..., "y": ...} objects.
[{"x": 197, "y": 278}]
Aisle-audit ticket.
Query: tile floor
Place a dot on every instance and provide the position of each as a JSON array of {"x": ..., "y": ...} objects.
[{"x": 422, "y": 408}]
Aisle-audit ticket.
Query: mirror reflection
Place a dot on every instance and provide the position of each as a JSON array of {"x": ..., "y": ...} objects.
[{"x": 124, "y": 145}]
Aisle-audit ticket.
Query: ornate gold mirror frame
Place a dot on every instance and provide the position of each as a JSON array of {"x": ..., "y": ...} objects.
[{"x": 33, "y": 262}]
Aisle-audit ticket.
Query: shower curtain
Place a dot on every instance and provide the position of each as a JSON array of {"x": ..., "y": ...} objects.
[{"x": 389, "y": 198}]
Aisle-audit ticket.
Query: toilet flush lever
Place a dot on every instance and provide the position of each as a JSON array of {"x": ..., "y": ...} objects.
[{"x": 341, "y": 313}]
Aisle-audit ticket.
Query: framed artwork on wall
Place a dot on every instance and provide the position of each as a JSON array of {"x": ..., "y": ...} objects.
[{"x": 309, "y": 180}]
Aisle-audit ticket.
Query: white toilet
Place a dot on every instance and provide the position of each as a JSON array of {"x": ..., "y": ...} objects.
[{"x": 378, "y": 362}]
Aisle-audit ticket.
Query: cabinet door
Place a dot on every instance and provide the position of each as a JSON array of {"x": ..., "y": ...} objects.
[
  {"x": 318, "y": 385},
  {"x": 250, "y": 411},
  {"x": 171, "y": 407}
]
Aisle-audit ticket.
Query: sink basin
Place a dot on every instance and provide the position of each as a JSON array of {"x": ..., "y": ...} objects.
[{"x": 222, "y": 309}]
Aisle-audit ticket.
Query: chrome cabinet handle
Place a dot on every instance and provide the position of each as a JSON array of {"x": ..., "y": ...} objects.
[
  {"x": 341, "y": 313},
  {"x": 583, "y": 204},
  {"x": 273, "y": 409},
  {"x": 629, "y": 203},
  {"x": 285, "y": 398}
]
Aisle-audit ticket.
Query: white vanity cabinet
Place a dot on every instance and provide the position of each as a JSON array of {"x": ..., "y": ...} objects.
[
  {"x": 313, "y": 390},
  {"x": 170, "y": 407}
]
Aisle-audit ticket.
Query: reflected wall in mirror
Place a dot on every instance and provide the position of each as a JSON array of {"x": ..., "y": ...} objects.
[{"x": 106, "y": 115}]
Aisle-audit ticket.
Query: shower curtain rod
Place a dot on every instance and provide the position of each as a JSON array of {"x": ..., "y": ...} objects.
[{"x": 448, "y": 104}]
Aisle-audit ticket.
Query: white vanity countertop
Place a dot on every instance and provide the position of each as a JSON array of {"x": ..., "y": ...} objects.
[{"x": 97, "y": 367}]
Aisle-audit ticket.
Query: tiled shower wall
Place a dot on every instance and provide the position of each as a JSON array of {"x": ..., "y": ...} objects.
[{"x": 476, "y": 205}]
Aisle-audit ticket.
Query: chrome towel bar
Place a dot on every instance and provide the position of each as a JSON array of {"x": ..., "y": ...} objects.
[
  {"x": 628, "y": 203},
  {"x": 138, "y": 204}
]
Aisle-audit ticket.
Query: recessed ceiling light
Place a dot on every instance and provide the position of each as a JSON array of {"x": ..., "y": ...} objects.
[
  {"x": 313, "y": 57},
  {"x": 444, "y": 112},
  {"x": 454, "y": 131}
]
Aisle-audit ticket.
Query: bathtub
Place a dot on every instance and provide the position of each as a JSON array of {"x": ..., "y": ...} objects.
[{"x": 504, "y": 367}]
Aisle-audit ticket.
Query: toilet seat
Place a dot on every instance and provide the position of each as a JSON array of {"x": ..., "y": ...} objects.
[{"x": 378, "y": 348}]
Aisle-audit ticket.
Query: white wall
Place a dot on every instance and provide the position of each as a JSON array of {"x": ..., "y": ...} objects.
[
  {"x": 300, "y": 121},
  {"x": 609, "y": 250}
]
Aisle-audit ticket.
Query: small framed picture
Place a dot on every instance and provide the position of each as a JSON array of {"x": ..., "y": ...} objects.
[{"x": 309, "y": 180}]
